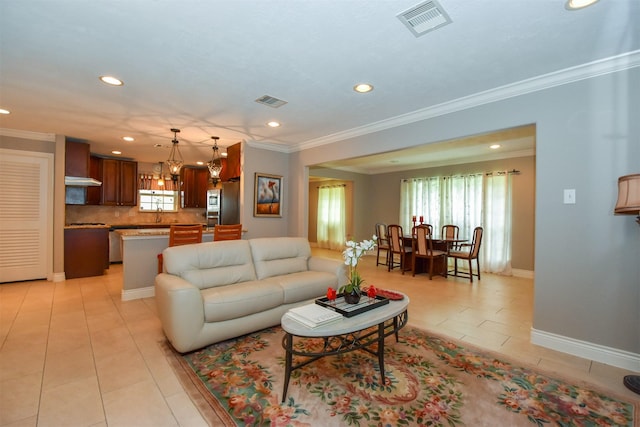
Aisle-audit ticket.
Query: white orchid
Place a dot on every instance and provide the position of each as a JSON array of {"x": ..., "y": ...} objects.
[{"x": 351, "y": 256}]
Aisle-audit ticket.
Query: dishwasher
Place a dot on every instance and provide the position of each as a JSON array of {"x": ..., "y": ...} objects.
[{"x": 115, "y": 247}]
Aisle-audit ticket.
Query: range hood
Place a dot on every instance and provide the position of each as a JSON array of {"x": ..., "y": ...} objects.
[{"x": 79, "y": 181}]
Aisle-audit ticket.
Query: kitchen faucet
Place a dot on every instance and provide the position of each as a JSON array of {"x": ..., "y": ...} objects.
[{"x": 158, "y": 213}]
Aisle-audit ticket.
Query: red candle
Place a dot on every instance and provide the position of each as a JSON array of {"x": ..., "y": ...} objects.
[{"x": 331, "y": 294}]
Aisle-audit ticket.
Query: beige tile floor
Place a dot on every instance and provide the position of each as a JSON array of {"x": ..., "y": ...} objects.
[{"x": 73, "y": 354}]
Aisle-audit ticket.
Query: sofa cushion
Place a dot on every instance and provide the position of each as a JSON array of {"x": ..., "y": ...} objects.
[
  {"x": 275, "y": 256},
  {"x": 211, "y": 264},
  {"x": 305, "y": 285},
  {"x": 240, "y": 299}
]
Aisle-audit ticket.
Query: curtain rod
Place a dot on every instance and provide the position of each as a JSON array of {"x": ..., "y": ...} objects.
[
  {"x": 329, "y": 186},
  {"x": 511, "y": 172}
]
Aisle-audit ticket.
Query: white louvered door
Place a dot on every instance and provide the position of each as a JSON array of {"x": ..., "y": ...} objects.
[{"x": 26, "y": 215}]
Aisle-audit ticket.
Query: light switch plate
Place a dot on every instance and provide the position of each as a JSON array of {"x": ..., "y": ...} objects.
[{"x": 570, "y": 196}]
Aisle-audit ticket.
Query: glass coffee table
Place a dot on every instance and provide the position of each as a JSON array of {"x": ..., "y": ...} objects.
[{"x": 360, "y": 332}]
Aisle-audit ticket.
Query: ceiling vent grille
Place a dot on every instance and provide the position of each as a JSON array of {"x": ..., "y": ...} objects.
[
  {"x": 270, "y": 101},
  {"x": 424, "y": 17}
]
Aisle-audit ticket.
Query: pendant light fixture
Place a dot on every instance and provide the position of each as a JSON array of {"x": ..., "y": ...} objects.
[
  {"x": 215, "y": 165},
  {"x": 175, "y": 161},
  {"x": 160, "y": 177}
]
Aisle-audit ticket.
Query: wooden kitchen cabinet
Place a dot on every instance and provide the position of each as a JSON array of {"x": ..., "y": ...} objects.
[
  {"x": 94, "y": 194},
  {"x": 231, "y": 165},
  {"x": 86, "y": 251},
  {"x": 76, "y": 159},
  {"x": 119, "y": 182},
  {"x": 193, "y": 187}
]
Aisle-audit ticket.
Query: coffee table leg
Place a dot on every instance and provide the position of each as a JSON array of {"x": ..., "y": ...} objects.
[
  {"x": 381, "y": 351},
  {"x": 288, "y": 338}
]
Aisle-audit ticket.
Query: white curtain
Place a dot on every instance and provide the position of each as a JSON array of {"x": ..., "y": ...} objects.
[
  {"x": 419, "y": 197},
  {"x": 496, "y": 243},
  {"x": 462, "y": 203},
  {"x": 331, "y": 228},
  {"x": 468, "y": 202}
]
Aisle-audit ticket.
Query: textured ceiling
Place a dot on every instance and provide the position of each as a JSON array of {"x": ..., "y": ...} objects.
[{"x": 200, "y": 65}]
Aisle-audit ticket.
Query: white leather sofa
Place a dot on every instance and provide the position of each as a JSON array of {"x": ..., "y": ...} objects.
[{"x": 214, "y": 291}]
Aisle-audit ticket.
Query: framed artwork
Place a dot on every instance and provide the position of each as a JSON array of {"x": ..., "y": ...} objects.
[{"x": 268, "y": 195}]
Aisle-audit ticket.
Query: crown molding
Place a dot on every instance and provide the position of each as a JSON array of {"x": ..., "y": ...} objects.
[
  {"x": 24, "y": 134},
  {"x": 557, "y": 78},
  {"x": 270, "y": 146}
]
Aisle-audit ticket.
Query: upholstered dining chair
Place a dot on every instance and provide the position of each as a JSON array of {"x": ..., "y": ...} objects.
[
  {"x": 383, "y": 243},
  {"x": 227, "y": 232},
  {"x": 450, "y": 231},
  {"x": 468, "y": 252},
  {"x": 182, "y": 235},
  {"x": 423, "y": 249},
  {"x": 397, "y": 247}
]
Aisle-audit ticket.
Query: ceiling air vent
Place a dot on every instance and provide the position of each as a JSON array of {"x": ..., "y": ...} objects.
[
  {"x": 270, "y": 101},
  {"x": 424, "y": 17}
]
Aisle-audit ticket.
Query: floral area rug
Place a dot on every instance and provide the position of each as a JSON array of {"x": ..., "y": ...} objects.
[{"x": 430, "y": 381}]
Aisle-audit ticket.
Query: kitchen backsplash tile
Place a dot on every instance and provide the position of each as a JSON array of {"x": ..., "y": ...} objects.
[{"x": 128, "y": 215}]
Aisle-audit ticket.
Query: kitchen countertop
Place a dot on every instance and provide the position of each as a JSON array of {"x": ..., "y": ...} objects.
[
  {"x": 146, "y": 232},
  {"x": 84, "y": 226},
  {"x": 148, "y": 225}
]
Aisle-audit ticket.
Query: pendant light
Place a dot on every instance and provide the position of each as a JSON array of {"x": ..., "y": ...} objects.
[
  {"x": 175, "y": 161},
  {"x": 215, "y": 165},
  {"x": 160, "y": 177}
]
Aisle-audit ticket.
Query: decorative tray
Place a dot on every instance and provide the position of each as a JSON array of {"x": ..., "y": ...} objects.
[{"x": 350, "y": 310}]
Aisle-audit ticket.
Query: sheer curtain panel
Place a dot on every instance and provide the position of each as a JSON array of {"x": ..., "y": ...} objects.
[
  {"x": 331, "y": 217},
  {"x": 496, "y": 245}
]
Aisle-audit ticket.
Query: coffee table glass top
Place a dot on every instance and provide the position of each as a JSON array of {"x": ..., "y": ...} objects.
[{"x": 347, "y": 325}]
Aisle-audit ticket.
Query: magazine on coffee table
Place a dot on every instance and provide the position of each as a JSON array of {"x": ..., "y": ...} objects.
[{"x": 313, "y": 315}]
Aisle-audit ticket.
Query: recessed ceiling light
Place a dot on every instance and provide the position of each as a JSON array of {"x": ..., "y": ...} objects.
[
  {"x": 273, "y": 124},
  {"x": 578, "y": 4},
  {"x": 225, "y": 154},
  {"x": 128, "y": 138},
  {"x": 3, "y": 111},
  {"x": 116, "y": 152},
  {"x": 110, "y": 80},
  {"x": 199, "y": 163},
  {"x": 494, "y": 146},
  {"x": 363, "y": 87}
]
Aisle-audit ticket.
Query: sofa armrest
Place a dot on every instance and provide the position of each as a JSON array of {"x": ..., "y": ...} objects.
[
  {"x": 328, "y": 265},
  {"x": 181, "y": 310}
]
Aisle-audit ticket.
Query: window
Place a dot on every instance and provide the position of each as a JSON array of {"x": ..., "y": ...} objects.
[{"x": 158, "y": 200}]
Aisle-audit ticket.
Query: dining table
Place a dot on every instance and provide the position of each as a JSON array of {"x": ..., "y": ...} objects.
[{"x": 441, "y": 244}]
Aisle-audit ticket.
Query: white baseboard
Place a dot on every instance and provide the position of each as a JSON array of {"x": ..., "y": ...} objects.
[
  {"x": 527, "y": 274},
  {"x": 131, "y": 294},
  {"x": 586, "y": 350},
  {"x": 57, "y": 277}
]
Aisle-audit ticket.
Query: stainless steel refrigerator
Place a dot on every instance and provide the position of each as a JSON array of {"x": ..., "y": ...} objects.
[{"x": 230, "y": 203}]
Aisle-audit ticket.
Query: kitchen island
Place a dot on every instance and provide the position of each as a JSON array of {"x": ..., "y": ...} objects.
[{"x": 140, "y": 249}]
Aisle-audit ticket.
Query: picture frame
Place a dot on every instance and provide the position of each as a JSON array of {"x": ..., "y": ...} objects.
[{"x": 267, "y": 195}]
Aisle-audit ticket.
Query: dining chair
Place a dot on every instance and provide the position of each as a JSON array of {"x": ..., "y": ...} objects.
[
  {"x": 383, "y": 243},
  {"x": 397, "y": 247},
  {"x": 423, "y": 249},
  {"x": 450, "y": 231},
  {"x": 182, "y": 235},
  {"x": 469, "y": 252},
  {"x": 227, "y": 232}
]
